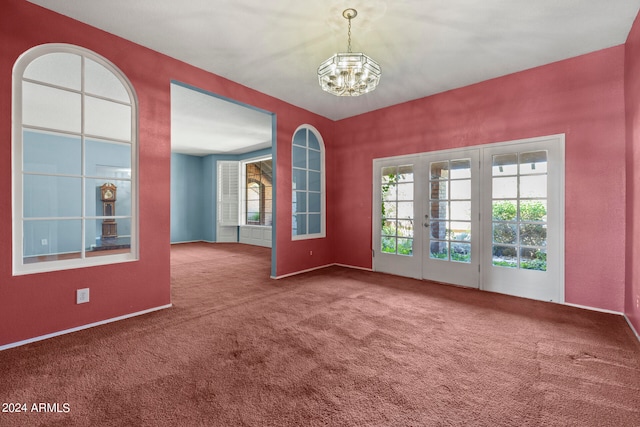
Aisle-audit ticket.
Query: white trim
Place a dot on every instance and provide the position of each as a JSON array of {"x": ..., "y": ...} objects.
[
  {"x": 323, "y": 190},
  {"x": 295, "y": 273},
  {"x": 80, "y": 328},
  {"x": 355, "y": 267},
  {"x": 586, "y": 307},
  {"x": 635, "y": 332}
]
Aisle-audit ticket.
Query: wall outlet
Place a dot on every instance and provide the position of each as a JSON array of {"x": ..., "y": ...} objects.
[
  {"x": 82, "y": 296},
  {"x": 310, "y": 252},
  {"x": 44, "y": 242}
]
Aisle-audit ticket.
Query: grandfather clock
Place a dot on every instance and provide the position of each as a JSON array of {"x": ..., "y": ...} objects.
[{"x": 108, "y": 197}]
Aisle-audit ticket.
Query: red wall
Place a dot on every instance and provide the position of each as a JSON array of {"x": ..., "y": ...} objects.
[
  {"x": 632, "y": 98},
  {"x": 38, "y": 304},
  {"x": 582, "y": 97}
]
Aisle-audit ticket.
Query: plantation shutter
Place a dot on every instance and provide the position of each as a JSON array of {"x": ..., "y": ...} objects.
[{"x": 228, "y": 193}]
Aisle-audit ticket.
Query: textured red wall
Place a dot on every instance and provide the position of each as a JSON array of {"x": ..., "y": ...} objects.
[
  {"x": 632, "y": 98},
  {"x": 38, "y": 304},
  {"x": 582, "y": 97}
]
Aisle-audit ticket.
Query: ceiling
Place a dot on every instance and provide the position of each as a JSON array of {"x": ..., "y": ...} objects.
[{"x": 423, "y": 46}]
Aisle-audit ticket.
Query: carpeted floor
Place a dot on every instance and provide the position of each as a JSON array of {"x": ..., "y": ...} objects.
[{"x": 335, "y": 347}]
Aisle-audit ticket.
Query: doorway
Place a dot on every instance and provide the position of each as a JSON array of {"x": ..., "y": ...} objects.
[{"x": 488, "y": 217}]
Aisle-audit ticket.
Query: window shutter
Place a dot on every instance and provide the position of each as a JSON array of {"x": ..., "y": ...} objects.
[{"x": 228, "y": 193}]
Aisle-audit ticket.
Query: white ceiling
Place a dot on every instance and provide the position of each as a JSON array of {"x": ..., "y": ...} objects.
[{"x": 423, "y": 46}]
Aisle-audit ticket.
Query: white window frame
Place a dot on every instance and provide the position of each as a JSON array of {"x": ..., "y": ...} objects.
[
  {"x": 323, "y": 195},
  {"x": 19, "y": 267}
]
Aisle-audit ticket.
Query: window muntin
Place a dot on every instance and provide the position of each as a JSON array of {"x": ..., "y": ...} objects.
[
  {"x": 308, "y": 197},
  {"x": 74, "y": 131}
]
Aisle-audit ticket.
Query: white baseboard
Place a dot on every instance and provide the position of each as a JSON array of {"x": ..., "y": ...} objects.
[
  {"x": 601, "y": 310},
  {"x": 79, "y": 328}
]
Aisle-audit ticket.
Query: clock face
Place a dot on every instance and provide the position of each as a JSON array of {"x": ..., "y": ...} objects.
[{"x": 108, "y": 194}]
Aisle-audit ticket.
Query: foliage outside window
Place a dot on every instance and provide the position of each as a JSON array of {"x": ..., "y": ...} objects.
[
  {"x": 74, "y": 132},
  {"x": 397, "y": 210}
]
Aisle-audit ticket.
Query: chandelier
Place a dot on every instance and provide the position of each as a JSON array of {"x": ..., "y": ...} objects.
[{"x": 347, "y": 73}]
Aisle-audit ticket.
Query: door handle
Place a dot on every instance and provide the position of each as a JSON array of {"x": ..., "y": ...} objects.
[{"x": 426, "y": 224}]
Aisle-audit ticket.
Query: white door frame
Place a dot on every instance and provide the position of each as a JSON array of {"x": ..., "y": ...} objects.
[{"x": 412, "y": 266}]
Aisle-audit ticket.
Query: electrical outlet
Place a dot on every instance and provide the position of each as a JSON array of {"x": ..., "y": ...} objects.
[
  {"x": 310, "y": 252},
  {"x": 44, "y": 242},
  {"x": 82, "y": 296}
]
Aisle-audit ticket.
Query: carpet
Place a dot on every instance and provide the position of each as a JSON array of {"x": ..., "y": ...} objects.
[{"x": 337, "y": 347}]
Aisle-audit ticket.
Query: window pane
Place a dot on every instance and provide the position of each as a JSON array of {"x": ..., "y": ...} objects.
[
  {"x": 405, "y": 173},
  {"x": 389, "y": 174},
  {"x": 533, "y": 186},
  {"x": 51, "y": 108},
  {"x": 439, "y": 190},
  {"x": 405, "y": 210},
  {"x": 301, "y": 224},
  {"x": 314, "y": 223},
  {"x": 505, "y": 164},
  {"x": 46, "y": 152},
  {"x": 438, "y": 250},
  {"x": 533, "y": 259},
  {"x": 533, "y": 234},
  {"x": 389, "y": 210},
  {"x": 505, "y": 233},
  {"x": 300, "y": 201},
  {"x": 504, "y": 210},
  {"x": 533, "y": 210},
  {"x": 52, "y": 237},
  {"x": 299, "y": 157},
  {"x": 461, "y": 189},
  {"x": 461, "y": 211},
  {"x": 100, "y": 81},
  {"x": 439, "y": 210},
  {"x": 439, "y": 229},
  {"x": 314, "y": 181},
  {"x": 314, "y": 160},
  {"x": 461, "y": 169},
  {"x": 300, "y": 138},
  {"x": 405, "y": 191},
  {"x": 505, "y": 188},
  {"x": 51, "y": 196},
  {"x": 405, "y": 246},
  {"x": 94, "y": 205},
  {"x": 299, "y": 179},
  {"x": 106, "y": 237},
  {"x": 505, "y": 256},
  {"x": 460, "y": 231},
  {"x": 60, "y": 69},
  {"x": 389, "y": 228},
  {"x": 388, "y": 245},
  {"x": 461, "y": 252},
  {"x": 314, "y": 202},
  {"x": 107, "y": 119},
  {"x": 313, "y": 141},
  {"x": 440, "y": 170},
  {"x": 107, "y": 160},
  {"x": 389, "y": 192},
  {"x": 534, "y": 162},
  {"x": 405, "y": 228}
]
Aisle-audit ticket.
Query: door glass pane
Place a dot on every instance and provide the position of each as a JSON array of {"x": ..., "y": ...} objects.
[
  {"x": 505, "y": 164},
  {"x": 520, "y": 223},
  {"x": 461, "y": 189},
  {"x": 461, "y": 211},
  {"x": 439, "y": 229},
  {"x": 440, "y": 170},
  {"x": 534, "y": 162},
  {"x": 439, "y": 190},
  {"x": 461, "y": 169},
  {"x": 460, "y": 231},
  {"x": 439, "y": 250},
  {"x": 505, "y": 188},
  {"x": 439, "y": 210},
  {"x": 461, "y": 252},
  {"x": 397, "y": 193}
]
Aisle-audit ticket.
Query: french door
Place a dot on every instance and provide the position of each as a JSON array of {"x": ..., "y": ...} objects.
[{"x": 488, "y": 217}]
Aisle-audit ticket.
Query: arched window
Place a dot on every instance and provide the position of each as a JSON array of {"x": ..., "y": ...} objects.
[
  {"x": 74, "y": 161},
  {"x": 308, "y": 184}
]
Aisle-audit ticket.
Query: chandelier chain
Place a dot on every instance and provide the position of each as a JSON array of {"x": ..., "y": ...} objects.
[{"x": 349, "y": 38}]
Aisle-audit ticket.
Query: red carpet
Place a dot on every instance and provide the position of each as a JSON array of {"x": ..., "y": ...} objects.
[{"x": 336, "y": 347}]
